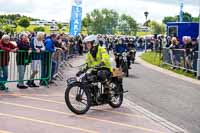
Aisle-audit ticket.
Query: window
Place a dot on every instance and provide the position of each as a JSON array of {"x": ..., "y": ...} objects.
[{"x": 173, "y": 31}]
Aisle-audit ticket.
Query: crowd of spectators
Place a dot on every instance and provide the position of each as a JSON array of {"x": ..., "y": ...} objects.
[
  {"x": 45, "y": 53},
  {"x": 42, "y": 52},
  {"x": 183, "y": 52}
]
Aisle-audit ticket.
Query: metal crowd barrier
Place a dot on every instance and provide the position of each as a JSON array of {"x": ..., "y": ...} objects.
[
  {"x": 61, "y": 58},
  {"x": 177, "y": 58},
  {"x": 22, "y": 66}
]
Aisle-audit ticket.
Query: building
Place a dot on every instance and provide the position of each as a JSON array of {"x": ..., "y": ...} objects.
[
  {"x": 180, "y": 29},
  {"x": 142, "y": 28}
]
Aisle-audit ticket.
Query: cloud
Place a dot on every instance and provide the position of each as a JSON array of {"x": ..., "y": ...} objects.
[
  {"x": 61, "y": 9},
  {"x": 176, "y": 2},
  {"x": 16, "y": 6},
  {"x": 157, "y": 8}
]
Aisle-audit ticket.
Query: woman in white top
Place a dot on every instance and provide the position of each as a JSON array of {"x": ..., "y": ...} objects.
[{"x": 37, "y": 47}]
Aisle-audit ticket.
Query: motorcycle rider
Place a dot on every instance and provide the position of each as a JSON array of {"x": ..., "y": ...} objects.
[
  {"x": 132, "y": 50},
  {"x": 120, "y": 48},
  {"x": 98, "y": 57},
  {"x": 131, "y": 44}
]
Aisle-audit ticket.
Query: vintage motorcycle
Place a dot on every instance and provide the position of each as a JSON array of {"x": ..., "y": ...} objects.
[
  {"x": 132, "y": 54},
  {"x": 123, "y": 62},
  {"x": 87, "y": 89}
]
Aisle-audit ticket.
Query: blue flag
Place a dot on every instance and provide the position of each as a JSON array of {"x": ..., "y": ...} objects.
[{"x": 76, "y": 17}]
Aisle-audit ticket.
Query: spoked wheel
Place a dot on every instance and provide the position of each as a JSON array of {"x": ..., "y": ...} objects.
[
  {"x": 125, "y": 68},
  {"x": 77, "y": 98},
  {"x": 117, "y": 96}
]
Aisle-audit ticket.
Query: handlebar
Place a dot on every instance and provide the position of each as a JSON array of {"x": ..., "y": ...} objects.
[{"x": 87, "y": 68}]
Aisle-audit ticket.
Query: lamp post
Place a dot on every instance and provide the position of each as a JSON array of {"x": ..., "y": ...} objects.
[
  {"x": 146, "y": 15},
  {"x": 198, "y": 61}
]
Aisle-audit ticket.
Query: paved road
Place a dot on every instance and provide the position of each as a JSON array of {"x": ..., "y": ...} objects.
[
  {"x": 176, "y": 100},
  {"x": 43, "y": 110}
]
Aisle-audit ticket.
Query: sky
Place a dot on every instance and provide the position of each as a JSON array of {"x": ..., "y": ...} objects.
[{"x": 60, "y": 10}]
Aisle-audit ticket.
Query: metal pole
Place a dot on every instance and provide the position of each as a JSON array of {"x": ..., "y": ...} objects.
[
  {"x": 198, "y": 61},
  {"x": 181, "y": 12},
  {"x": 145, "y": 46}
]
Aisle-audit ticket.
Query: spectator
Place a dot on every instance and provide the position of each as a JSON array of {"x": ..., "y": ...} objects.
[
  {"x": 7, "y": 47},
  {"x": 50, "y": 47},
  {"x": 23, "y": 58},
  {"x": 37, "y": 47},
  {"x": 57, "y": 56},
  {"x": 188, "y": 55},
  {"x": 195, "y": 49},
  {"x": 80, "y": 45},
  {"x": 175, "y": 58},
  {"x": 195, "y": 44},
  {"x": 168, "y": 39},
  {"x": 1, "y": 34},
  {"x": 64, "y": 46}
]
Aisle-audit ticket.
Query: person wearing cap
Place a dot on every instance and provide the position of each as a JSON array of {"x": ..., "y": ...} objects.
[{"x": 7, "y": 47}]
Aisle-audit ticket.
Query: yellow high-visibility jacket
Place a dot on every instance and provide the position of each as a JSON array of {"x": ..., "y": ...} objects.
[{"x": 102, "y": 56}]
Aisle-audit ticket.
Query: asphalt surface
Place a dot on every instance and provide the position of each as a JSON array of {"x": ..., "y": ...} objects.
[
  {"x": 173, "y": 99},
  {"x": 43, "y": 110}
]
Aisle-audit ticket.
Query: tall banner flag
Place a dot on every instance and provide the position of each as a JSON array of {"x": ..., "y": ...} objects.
[{"x": 76, "y": 16}]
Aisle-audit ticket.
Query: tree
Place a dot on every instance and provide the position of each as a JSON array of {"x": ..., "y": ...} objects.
[
  {"x": 59, "y": 26},
  {"x": 169, "y": 19},
  {"x": 24, "y": 22},
  {"x": 127, "y": 25},
  {"x": 147, "y": 23},
  {"x": 107, "y": 22},
  {"x": 187, "y": 17},
  {"x": 157, "y": 28},
  {"x": 101, "y": 21},
  {"x": 195, "y": 19},
  {"x": 37, "y": 29},
  {"x": 8, "y": 29}
]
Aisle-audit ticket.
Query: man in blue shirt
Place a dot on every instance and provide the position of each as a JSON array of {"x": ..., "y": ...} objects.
[
  {"x": 50, "y": 47},
  {"x": 120, "y": 48}
]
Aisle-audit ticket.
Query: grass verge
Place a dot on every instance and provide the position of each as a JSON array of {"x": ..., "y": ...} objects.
[{"x": 155, "y": 59}]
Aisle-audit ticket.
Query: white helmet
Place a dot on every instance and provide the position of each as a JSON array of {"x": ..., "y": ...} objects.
[{"x": 91, "y": 38}]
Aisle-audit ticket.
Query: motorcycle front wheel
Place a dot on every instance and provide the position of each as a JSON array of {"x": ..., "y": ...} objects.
[
  {"x": 125, "y": 68},
  {"x": 77, "y": 98}
]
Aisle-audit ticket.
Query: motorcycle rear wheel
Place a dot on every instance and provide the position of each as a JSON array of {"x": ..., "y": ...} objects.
[{"x": 118, "y": 89}]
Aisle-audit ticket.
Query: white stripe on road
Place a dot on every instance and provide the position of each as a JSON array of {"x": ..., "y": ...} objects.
[
  {"x": 45, "y": 122},
  {"x": 154, "y": 117},
  {"x": 63, "y": 103},
  {"x": 3, "y": 131},
  {"x": 86, "y": 117}
]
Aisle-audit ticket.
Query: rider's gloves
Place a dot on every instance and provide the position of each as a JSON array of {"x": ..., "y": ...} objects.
[{"x": 79, "y": 73}]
